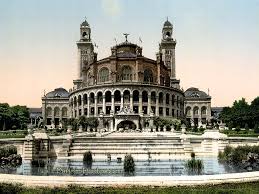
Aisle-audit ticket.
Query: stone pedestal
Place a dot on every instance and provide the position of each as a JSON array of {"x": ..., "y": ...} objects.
[
  {"x": 69, "y": 129},
  {"x": 172, "y": 128},
  {"x": 183, "y": 128},
  {"x": 80, "y": 129}
]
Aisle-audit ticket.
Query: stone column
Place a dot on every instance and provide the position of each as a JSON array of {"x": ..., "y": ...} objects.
[
  {"x": 140, "y": 104},
  {"x": 112, "y": 108},
  {"x": 52, "y": 116},
  {"x": 149, "y": 105},
  {"x": 104, "y": 107},
  {"x": 157, "y": 106},
  {"x": 137, "y": 71},
  {"x": 88, "y": 107},
  {"x": 164, "y": 106},
  {"x": 192, "y": 118},
  {"x": 95, "y": 106},
  {"x": 121, "y": 101},
  {"x": 131, "y": 101}
]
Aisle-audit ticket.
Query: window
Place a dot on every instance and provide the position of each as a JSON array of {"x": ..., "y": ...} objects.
[
  {"x": 126, "y": 73},
  {"x": 64, "y": 112},
  {"x": 148, "y": 76},
  {"x": 104, "y": 75}
]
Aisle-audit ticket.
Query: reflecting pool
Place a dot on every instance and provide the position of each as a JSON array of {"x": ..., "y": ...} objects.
[{"x": 76, "y": 167}]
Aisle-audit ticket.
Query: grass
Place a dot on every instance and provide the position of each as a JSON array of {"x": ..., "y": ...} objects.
[
  {"x": 242, "y": 133},
  {"x": 252, "y": 187},
  {"x": 12, "y": 134}
]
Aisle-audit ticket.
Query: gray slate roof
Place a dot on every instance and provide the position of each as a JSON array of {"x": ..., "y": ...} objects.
[
  {"x": 57, "y": 93},
  {"x": 195, "y": 93},
  {"x": 167, "y": 23}
]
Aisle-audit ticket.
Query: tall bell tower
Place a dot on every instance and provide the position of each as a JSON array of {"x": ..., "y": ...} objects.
[
  {"x": 85, "y": 47},
  {"x": 167, "y": 49}
]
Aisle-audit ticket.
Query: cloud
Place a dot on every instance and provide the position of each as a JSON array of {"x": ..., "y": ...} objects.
[{"x": 111, "y": 7}]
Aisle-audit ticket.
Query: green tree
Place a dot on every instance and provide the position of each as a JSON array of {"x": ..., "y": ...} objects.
[
  {"x": 20, "y": 116},
  {"x": 5, "y": 115},
  {"x": 83, "y": 122},
  {"x": 73, "y": 122},
  {"x": 92, "y": 122}
]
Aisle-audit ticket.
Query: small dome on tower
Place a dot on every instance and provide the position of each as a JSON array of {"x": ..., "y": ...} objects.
[
  {"x": 85, "y": 23},
  {"x": 167, "y": 23}
]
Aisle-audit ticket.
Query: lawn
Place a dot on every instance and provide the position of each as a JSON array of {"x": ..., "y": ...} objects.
[
  {"x": 252, "y": 187},
  {"x": 13, "y": 134}
]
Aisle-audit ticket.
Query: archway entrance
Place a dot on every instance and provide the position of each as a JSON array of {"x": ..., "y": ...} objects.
[{"x": 126, "y": 125}]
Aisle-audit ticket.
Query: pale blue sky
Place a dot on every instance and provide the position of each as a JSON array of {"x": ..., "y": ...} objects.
[{"x": 217, "y": 42}]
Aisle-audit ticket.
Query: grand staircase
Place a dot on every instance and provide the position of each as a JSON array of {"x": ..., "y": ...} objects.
[{"x": 139, "y": 146}]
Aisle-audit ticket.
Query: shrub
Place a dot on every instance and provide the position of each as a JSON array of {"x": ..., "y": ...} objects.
[
  {"x": 256, "y": 128},
  {"x": 238, "y": 129},
  {"x": 246, "y": 126},
  {"x": 8, "y": 150},
  {"x": 193, "y": 155},
  {"x": 129, "y": 164},
  {"x": 88, "y": 159},
  {"x": 194, "y": 165},
  {"x": 237, "y": 155},
  {"x": 221, "y": 156}
]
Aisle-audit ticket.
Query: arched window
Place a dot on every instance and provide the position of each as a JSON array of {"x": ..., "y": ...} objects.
[
  {"x": 49, "y": 112},
  {"x": 204, "y": 110},
  {"x": 64, "y": 112},
  {"x": 135, "y": 96},
  {"x": 117, "y": 96},
  {"x": 99, "y": 97},
  {"x": 104, "y": 75},
  {"x": 144, "y": 96},
  {"x": 56, "y": 112},
  {"x": 126, "y": 96},
  {"x": 153, "y": 97},
  {"x": 108, "y": 96},
  {"x": 195, "y": 110},
  {"x": 167, "y": 98},
  {"x": 161, "y": 100},
  {"x": 148, "y": 76},
  {"x": 188, "y": 111},
  {"x": 126, "y": 73},
  {"x": 85, "y": 98},
  {"x": 79, "y": 100},
  {"x": 75, "y": 101}
]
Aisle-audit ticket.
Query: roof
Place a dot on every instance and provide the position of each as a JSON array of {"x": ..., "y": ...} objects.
[
  {"x": 85, "y": 23},
  {"x": 126, "y": 55},
  {"x": 35, "y": 110},
  {"x": 195, "y": 93},
  {"x": 167, "y": 23},
  {"x": 57, "y": 93},
  {"x": 125, "y": 44}
]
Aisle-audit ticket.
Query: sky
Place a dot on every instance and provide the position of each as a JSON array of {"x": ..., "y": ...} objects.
[{"x": 217, "y": 43}]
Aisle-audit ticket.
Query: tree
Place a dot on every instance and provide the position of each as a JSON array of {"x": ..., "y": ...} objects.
[
  {"x": 83, "y": 122},
  {"x": 5, "y": 115},
  {"x": 73, "y": 122},
  {"x": 92, "y": 122},
  {"x": 20, "y": 116},
  {"x": 241, "y": 114}
]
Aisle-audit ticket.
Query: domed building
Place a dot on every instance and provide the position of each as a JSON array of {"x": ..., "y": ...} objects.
[
  {"x": 125, "y": 90},
  {"x": 197, "y": 107},
  {"x": 55, "y": 107}
]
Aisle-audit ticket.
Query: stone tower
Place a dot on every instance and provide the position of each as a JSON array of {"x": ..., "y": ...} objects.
[
  {"x": 85, "y": 47},
  {"x": 167, "y": 49}
]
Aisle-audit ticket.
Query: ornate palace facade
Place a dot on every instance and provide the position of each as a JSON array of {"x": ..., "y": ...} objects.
[{"x": 123, "y": 90}]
